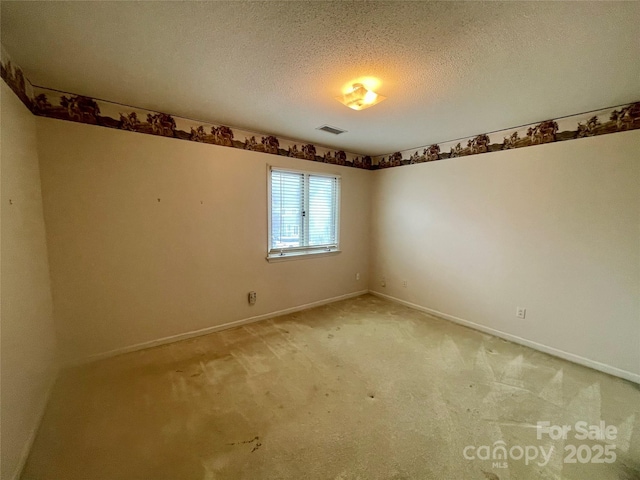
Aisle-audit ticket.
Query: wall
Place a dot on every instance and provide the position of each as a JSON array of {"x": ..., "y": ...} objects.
[
  {"x": 553, "y": 228},
  {"x": 27, "y": 334},
  {"x": 128, "y": 269}
]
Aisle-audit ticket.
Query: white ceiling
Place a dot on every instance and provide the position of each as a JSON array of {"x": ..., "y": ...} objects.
[{"x": 449, "y": 69}]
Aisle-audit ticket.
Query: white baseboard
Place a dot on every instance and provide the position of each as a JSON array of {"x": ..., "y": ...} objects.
[
  {"x": 26, "y": 448},
  {"x": 602, "y": 367},
  {"x": 207, "y": 330}
]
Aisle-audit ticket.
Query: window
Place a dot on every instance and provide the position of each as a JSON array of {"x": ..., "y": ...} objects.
[{"x": 303, "y": 213}]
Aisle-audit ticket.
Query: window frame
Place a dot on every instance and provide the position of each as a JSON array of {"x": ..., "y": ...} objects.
[{"x": 293, "y": 253}]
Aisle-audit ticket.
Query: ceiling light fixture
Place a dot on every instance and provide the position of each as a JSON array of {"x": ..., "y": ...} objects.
[{"x": 360, "y": 98}]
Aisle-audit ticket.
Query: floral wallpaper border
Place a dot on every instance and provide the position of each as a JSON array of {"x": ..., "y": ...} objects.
[
  {"x": 82, "y": 109},
  {"x": 78, "y": 108},
  {"x": 589, "y": 124}
]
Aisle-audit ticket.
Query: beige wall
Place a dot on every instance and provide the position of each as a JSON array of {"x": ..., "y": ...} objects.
[
  {"x": 127, "y": 269},
  {"x": 553, "y": 228},
  {"x": 28, "y": 339}
]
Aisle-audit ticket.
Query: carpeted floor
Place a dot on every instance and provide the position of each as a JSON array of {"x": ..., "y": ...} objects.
[{"x": 360, "y": 389}]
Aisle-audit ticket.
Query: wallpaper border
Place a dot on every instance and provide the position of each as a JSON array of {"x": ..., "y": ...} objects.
[
  {"x": 51, "y": 103},
  {"x": 589, "y": 124},
  {"x": 82, "y": 109}
]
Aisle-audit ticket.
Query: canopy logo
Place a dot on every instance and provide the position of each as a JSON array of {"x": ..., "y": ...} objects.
[{"x": 499, "y": 453}]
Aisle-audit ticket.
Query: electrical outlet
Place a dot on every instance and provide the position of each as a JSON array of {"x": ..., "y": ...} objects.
[
  {"x": 252, "y": 298},
  {"x": 383, "y": 282},
  {"x": 521, "y": 312},
  {"x": 404, "y": 283},
  {"x": 357, "y": 276}
]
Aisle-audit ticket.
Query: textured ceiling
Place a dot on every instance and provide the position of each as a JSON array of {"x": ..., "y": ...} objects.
[{"x": 449, "y": 69}]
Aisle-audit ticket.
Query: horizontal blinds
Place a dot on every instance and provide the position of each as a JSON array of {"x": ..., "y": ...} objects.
[
  {"x": 287, "y": 206},
  {"x": 322, "y": 211},
  {"x": 304, "y": 211}
]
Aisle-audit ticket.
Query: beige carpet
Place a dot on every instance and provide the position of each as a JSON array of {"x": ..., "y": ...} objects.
[{"x": 360, "y": 389}]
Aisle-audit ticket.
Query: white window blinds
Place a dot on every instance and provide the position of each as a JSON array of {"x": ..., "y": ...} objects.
[
  {"x": 287, "y": 209},
  {"x": 322, "y": 210},
  {"x": 304, "y": 210}
]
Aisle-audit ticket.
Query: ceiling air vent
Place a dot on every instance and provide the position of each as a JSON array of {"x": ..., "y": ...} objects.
[{"x": 329, "y": 129}]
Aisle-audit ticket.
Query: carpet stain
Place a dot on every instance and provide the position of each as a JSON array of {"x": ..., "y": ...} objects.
[
  {"x": 490, "y": 475},
  {"x": 254, "y": 442}
]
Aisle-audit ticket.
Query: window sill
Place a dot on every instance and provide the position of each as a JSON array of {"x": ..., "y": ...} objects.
[{"x": 300, "y": 256}]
